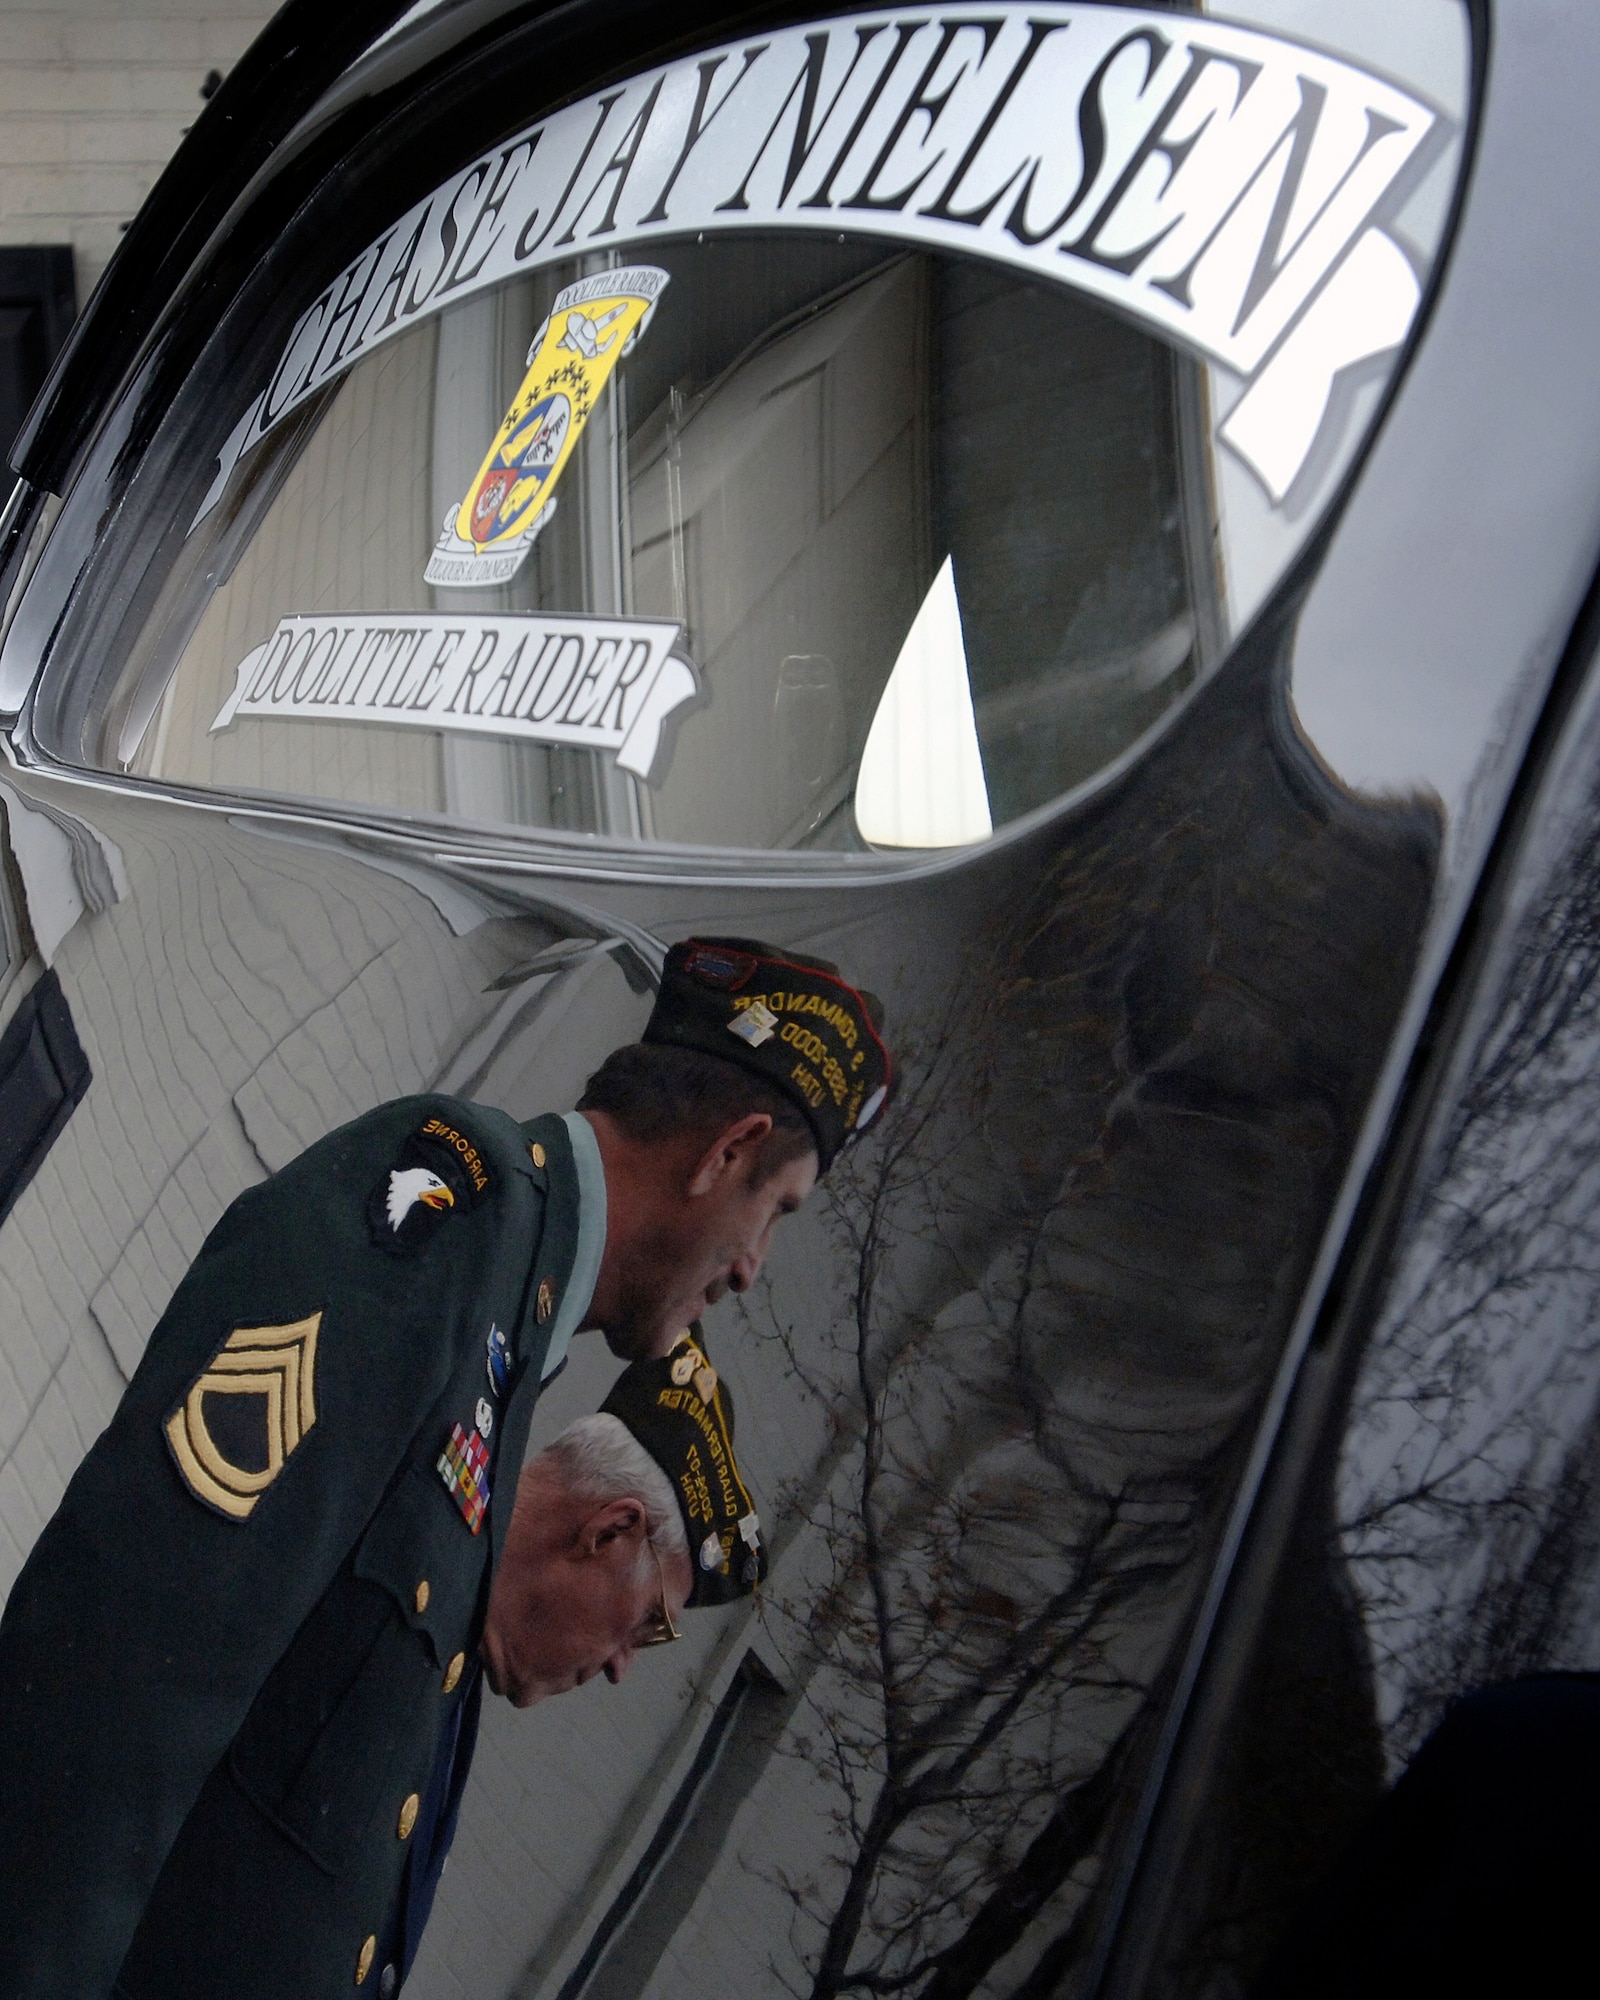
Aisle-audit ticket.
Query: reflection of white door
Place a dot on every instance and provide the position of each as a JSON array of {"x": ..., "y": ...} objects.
[{"x": 798, "y": 528}]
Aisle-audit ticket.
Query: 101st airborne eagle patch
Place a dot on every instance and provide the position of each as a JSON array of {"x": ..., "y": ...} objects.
[
  {"x": 236, "y": 1429},
  {"x": 439, "y": 1171}
]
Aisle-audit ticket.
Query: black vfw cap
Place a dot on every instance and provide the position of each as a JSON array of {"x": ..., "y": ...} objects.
[
  {"x": 683, "y": 1416},
  {"x": 789, "y": 1019}
]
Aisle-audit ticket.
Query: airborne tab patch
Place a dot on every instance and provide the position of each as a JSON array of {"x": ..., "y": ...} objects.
[
  {"x": 439, "y": 1170},
  {"x": 234, "y": 1432}
]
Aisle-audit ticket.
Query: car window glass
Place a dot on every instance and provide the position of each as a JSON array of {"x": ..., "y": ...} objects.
[{"x": 552, "y": 511}]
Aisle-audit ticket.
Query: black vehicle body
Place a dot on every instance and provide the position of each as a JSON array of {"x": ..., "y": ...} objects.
[{"x": 1230, "y": 1239}]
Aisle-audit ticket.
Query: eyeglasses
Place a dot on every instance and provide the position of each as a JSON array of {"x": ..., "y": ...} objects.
[{"x": 661, "y": 1631}]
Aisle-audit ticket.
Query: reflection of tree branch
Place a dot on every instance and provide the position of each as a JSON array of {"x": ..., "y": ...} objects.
[
  {"x": 1019, "y": 1896},
  {"x": 1470, "y": 1467},
  {"x": 933, "y": 1697}
]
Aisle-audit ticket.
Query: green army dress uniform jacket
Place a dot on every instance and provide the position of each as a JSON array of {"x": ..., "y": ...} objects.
[{"x": 226, "y": 1666}]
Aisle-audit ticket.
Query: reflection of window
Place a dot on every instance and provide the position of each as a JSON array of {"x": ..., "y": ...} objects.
[
  {"x": 43, "y": 1076},
  {"x": 38, "y": 298},
  {"x": 633, "y": 1934}
]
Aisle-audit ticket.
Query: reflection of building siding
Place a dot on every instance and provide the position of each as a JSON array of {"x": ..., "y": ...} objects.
[
  {"x": 349, "y": 531},
  {"x": 1208, "y": 973},
  {"x": 94, "y": 97},
  {"x": 184, "y": 994}
]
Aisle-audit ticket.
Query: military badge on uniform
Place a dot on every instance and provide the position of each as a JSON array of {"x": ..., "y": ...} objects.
[
  {"x": 236, "y": 1429},
  {"x": 407, "y": 1187},
  {"x": 464, "y": 1468},
  {"x": 495, "y": 1362},
  {"x": 439, "y": 1171}
]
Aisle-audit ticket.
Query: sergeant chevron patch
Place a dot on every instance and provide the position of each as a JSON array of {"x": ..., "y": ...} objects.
[{"x": 234, "y": 1432}]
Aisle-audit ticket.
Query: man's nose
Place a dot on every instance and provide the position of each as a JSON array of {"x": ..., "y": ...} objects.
[
  {"x": 744, "y": 1270},
  {"x": 617, "y": 1666}
]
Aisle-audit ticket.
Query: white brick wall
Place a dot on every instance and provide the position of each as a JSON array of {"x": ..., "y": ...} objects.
[{"x": 94, "y": 97}]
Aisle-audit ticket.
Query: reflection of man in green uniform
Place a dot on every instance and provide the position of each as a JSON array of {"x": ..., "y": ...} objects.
[{"x": 240, "y": 1669}]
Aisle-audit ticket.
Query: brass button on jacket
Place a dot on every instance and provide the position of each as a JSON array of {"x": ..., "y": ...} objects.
[
  {"x": 452, "y": 1673},
  {"x": 424, "y": 1592},
  {"x": 408, "y": 1816},
  {"x": 364, "y": 1962},
  {"x": 536, "y": 1153}
]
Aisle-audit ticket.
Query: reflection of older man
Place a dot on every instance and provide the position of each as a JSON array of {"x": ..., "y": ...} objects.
[{"x": 596, "y": 1566}]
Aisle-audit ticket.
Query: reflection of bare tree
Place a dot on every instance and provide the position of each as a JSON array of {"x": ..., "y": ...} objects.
[
  {"x": 1451, "y": 1535},
  {"x": 1468, "y": 1483},
  {"x": 1071, "y": 1261},
  {"x": 971, "y": 1676}
]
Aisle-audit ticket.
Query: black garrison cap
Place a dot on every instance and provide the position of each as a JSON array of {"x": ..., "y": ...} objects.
[
  {"x": 789, "y": 1019},
  {"x": 683, "y": 1416}
]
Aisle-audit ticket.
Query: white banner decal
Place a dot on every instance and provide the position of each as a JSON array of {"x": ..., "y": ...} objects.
[
  {"x": 596, "y": 683},
  {"x": 1207, "y": 179}
]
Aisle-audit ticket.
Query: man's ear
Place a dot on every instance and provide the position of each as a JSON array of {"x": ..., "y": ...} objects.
[
  {"x": 618, "y": 1520},
  {"x": 731, "y": 1152}
]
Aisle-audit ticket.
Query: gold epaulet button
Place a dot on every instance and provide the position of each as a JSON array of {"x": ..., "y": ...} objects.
[
  {"x": 536, "y": 1153},
  {"x": 408, "y": 1816},
  {"x": 364, "y": 1962},
  {"x": 452, "y": 1673},
  {"x": 423, "y": 1594},
  {"x": 545, "y": 1302}
]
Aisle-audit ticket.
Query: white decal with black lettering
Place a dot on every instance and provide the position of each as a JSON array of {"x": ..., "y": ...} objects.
[
  {"x": 595, "y": 683},
  {"x": 1226, "y": 187}
]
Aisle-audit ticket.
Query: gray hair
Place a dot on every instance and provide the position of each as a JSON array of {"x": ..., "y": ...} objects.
[{"x": 598, "y": 1459}]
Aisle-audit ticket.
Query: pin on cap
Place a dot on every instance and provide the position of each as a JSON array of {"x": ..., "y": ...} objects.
[{"x": 755, "y": 1025}]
